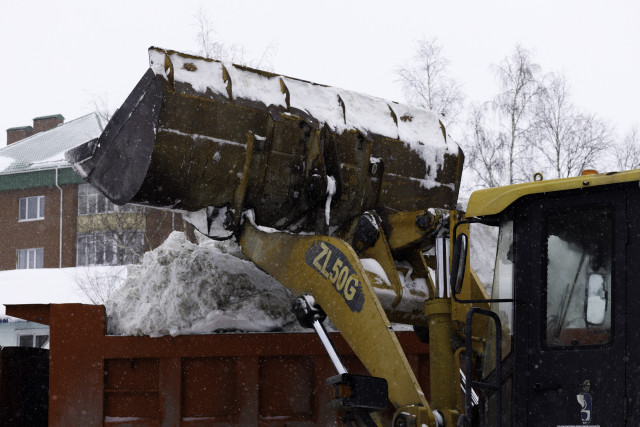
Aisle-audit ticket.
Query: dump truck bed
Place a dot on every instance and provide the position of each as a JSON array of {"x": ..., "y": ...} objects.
[{"x": 197, "y": 380}]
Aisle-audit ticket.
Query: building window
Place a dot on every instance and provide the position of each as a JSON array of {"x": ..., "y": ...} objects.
[
  {"x": 110, "y": 247},
  {"x": 91, "y": 201},
  {"x": 31, "y": 208},
  {"x": 30, "y": 258},
  {"x": 33, "y": 338}
]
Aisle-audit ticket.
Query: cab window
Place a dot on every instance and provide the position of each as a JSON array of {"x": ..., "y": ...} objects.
[
  {"x": 502, "y": 288},
  {"x": 578, "y": 277}
]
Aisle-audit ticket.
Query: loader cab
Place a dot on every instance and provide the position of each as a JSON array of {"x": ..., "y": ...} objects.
[{"x": 566, "y": 266}]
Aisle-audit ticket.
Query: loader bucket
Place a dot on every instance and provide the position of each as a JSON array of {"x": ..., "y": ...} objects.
[
  {"x": 118, "y": 161},
  {"x": 196, "y": 134}
]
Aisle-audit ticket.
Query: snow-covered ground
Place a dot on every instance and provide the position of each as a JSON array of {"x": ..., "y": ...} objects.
[{"x": 48, "y": 285}]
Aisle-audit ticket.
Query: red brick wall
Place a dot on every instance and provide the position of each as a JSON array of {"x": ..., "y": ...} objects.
[
  {"x": 44, "y": 233},
  {"x": 160, "y": 223},
  {"x": 69, "y": 224},
  {"x": 41, "y": 124},
  {"x": 16, "y": 134}
]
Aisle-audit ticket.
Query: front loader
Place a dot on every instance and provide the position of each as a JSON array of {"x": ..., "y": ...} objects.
[{"x": 349, "y": 200}]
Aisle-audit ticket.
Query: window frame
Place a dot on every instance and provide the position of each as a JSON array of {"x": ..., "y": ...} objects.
[
  {"x": 92, "y": 202},
  {"x": 34, "y": 334},
  {"x": 36, "y": 253},
  {"x": 501, "y": 289},
  {"x": 39, "y": 206},
  {"x": 88, "y": 250},
  {"x": 610, "y": 208}
]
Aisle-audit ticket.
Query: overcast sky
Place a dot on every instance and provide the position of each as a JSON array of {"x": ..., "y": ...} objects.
[{"x": 56, "y": 57}]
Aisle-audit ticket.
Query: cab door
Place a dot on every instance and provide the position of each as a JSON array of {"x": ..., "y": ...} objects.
[{"x": 575, "y": 310}]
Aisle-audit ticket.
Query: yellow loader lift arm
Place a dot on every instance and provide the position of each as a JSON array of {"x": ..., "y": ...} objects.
[{"x": 338, "y": 195}]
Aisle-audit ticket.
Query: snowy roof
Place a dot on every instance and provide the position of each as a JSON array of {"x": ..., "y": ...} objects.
[{"x": 45, "y": 150}]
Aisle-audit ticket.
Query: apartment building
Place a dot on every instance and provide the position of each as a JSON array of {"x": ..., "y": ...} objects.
[{"x": 50, "y": 217}]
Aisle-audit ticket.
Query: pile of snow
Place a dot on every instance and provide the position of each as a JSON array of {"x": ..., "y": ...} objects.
[
  {"x": 185, "y": 288},
  {"x": 49, "y": 285}
]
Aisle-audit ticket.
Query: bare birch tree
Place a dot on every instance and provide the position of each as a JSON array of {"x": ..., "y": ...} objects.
[
  {"x": 485, "y": 149},
  {"x": 555, "y": 126},
  {"x": 517, "y": 77},
  {"x": 212, "y": 46},
  {"x": 595, "y": 138},
  {"x": 100, "y": 105},
  {"x": 568, "y": 141},
  {"x": 426, "y": 81},
  {"x": 98, "y": 283},
  {"x": 627, "y": 152}
]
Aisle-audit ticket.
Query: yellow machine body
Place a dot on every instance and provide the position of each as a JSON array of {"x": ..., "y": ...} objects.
[{"x": 339, "y": 195}]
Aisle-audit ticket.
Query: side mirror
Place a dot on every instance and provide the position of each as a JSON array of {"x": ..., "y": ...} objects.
[
  {"x": 459, "y": 262},
  {"x": 596, "y": 300}
]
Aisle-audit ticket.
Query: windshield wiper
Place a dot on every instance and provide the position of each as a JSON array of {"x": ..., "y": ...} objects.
[{"x": 566, "y": 300}]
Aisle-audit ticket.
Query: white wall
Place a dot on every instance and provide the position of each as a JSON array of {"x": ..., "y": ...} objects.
[{"x": 9, "y": 332}]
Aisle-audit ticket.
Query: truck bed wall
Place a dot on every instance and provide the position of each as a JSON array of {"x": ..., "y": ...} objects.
[
  {"x": 222, "y": 379},
  {"x": 23, "y": 386}
]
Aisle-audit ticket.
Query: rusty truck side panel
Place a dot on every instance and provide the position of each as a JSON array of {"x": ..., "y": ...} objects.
[{"x": 273, "y": 379}]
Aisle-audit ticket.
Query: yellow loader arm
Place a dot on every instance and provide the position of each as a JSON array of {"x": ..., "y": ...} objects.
[{"x": 329, "y": 269}]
